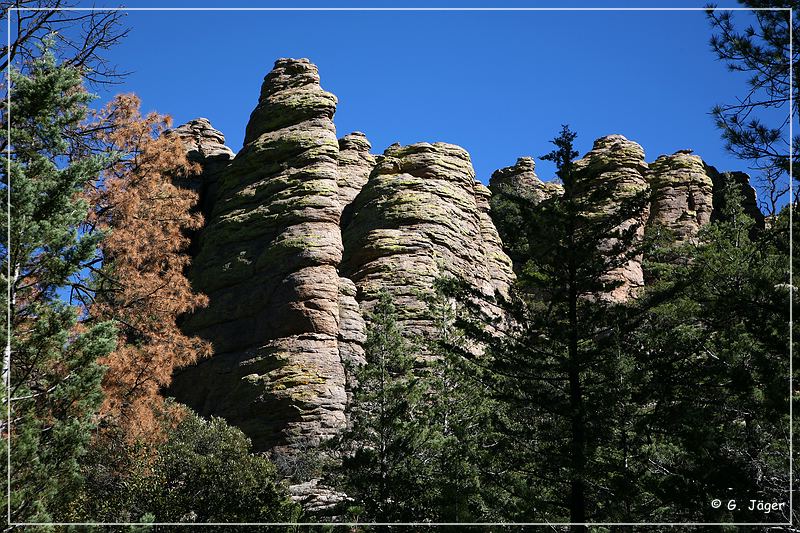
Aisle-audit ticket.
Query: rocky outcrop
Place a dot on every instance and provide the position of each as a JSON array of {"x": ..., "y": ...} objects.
[
  {"x": 352, "y": 331},
  {"x": 612, "y": 178},
  {"x": 315, "y": 498},
  {"x": 513, "y": 190},
  {"x": 355, "y": 165},
  {"x": 206, "y": 147},
  {"x": 303, "y": 231},
  {"x": 268, "y": 261},
  {"x": 520, "y": 180},
  {"x": 420, "y": 216},
  {"x": 682, "y": 194},
  {"x": 741, "y": 182}
]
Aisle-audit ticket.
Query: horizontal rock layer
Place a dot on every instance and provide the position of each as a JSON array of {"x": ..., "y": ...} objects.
[
  {"x": 422, "y": 215},
  {"x": 613, "y": 179},
  {"x": 268, "y": 261}
]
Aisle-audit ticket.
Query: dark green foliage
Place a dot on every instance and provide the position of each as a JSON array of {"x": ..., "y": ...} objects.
[
  {"x": 383, "y": 464},
  {"x": 421, "y": 422},
  {"x": 203, "y": 472},
  {"x": 558, "y": 371},
  {"x": 54, "y": 378},
  {"x": 713, "y": 376}
]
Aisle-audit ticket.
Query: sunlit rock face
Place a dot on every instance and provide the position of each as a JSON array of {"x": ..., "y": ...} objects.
[
  {"x": 612, "y": 177},
  {"x": 287, "y": 313},
  {"x": 682, "y": 194},
  {"x": 268, "y": 260},
  {"x": 421, "y": 216}
]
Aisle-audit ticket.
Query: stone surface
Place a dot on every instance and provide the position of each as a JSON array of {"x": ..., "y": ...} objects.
[
  {"x": 316, "y": 498},
  {"x": 612, "y": 174},
  {"x": 520, "y": 180},
  {"x": 420, "y": 216},
  {"x": 268, "y": 261},
  {"x": 682, "y": 194},
  {"x": 206, "y": 147},
  {"x": 719, "y": 180},
  {"x": 355, "y": 165},
  {"x": 352, "y": 331}
]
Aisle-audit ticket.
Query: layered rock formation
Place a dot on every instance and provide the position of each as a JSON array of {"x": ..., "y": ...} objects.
[
  {"x": 303, "y": 231},
  {"x": 613, "y": 178},
  {"x": 520, "y": 180},
  {"x": 268, "y": 262},
  {"x": 206, "y": 147},
  {"x": 682, "y": 194},
  {"x": 422, "y": 215},
  {"x": 355, "y": 165}
]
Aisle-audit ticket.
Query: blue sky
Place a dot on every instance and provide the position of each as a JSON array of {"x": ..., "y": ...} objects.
[{"x": 499, "y": 84}]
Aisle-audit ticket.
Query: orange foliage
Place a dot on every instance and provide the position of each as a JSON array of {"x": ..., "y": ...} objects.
[{"x": 142, "y": 285}]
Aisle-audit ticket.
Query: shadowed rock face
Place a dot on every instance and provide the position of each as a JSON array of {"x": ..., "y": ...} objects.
[
  {"x": 520, "y": 180},
  {"x": 748, "y": 195},
  {"x": 268, "y": 260},
  {"x": 355, "y": 165},
  {"x": 422, "y": 215},
  {"x": 682, "y": 194},
  {"x": 206, "y": 147}
]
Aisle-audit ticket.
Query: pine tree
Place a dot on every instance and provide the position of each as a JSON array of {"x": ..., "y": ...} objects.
[
  {"x": 141, "y": 283},
  {"x": 54, "y": 379},
  {"x": 459, "y": 415},
  {"x": 714, "y": 373},
  {"x": 382, "y": 450},
  {"x": 754, "y": 127},
  {"x": 557, "y": 369}
]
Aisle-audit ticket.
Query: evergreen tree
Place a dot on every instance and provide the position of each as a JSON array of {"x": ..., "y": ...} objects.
[
  {"x": 383, "y": 466},
  {"x": 141, "y": 282},
  {"x": 714, "y": 374},
  {"x": 52, "y": 372},
  {"x": 754, "y": 127},
  {"x": 203, "y": 471},
  {"x": 557, "y": 367},
  {"x": 459, "y": 418}
]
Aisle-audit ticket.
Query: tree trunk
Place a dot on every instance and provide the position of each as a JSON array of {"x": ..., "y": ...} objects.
[{"x": 577, "y": 503}]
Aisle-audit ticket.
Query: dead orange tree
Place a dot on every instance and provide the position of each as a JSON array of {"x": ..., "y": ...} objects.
[{"x": 141, "y": 284}]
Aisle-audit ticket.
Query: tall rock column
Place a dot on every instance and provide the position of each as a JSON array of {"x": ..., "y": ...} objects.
[
  {"x": 612, "y": 174},
  {"x": 355, "y": 165},
  {"x": 420, "y": 216},
  {"x": 268, "y": 261},
  {"x": 205, "y": 146},
  {"x": 682, "y": 194}
]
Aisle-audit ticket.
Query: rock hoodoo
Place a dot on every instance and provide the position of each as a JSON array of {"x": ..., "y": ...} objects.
[
  {"x": 268, "y": 260},
  {"x": 206, "y": 147},
  {"x": 520, "y": 180},
  {"x": 355, "y": 165},
  {"x": 420, "y": 216},
  {"x": 682, "y": 194},
  {"x": 614, "y": 173},
  {"x": 303, "y": 231}
]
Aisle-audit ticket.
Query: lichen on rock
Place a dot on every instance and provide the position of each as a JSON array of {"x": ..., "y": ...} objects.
[
  {"x": 421, "y": 216},
  {"x": 268, "y": 260},
  {"x": 682, "y": 194}
]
